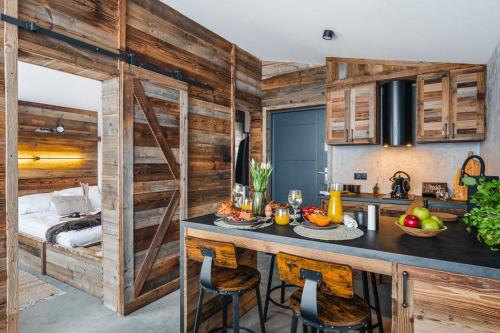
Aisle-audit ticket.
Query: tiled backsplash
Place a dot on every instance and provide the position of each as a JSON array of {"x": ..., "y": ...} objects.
[{"x": 437, "y": 162}]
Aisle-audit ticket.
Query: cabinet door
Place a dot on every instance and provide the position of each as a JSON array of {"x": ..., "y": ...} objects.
[
  {"x": 432, "y": 107},
  {"x": 363, "y": 114},
  {"x": 436, "y": 301},
  {"x": 467, "y": 105},
  {"x": 337, "y": 116}
]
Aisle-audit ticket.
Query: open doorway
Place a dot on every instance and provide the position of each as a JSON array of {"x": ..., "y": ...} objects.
[{"x": 59, "y": 204}]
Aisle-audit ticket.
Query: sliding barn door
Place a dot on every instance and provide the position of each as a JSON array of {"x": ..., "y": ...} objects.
[{"x": 160, "y": 116}]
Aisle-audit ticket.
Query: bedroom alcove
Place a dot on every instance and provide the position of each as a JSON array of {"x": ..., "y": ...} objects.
[{"x": 58, "y": 151}]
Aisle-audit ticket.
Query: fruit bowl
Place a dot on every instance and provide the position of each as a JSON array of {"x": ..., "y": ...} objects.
[{"x": 416, "y": 232}]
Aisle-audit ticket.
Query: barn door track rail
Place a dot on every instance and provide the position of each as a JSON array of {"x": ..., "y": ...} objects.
[{"x": 127, "y": 57}]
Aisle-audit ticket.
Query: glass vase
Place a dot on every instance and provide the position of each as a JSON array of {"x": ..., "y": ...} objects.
[{"x": 258, "y": 203}]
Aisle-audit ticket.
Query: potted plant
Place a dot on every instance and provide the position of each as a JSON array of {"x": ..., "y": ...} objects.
[
  {"x": 260, "y": 176},
  {"x": 485, "y": 213}
]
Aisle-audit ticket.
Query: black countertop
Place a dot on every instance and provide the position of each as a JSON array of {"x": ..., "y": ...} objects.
[{"x": 454, "y": 250}]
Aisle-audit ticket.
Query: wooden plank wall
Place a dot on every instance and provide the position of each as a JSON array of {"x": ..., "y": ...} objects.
[
  {"x": 3, "y": 231},
  {"x": 249, "y": 97},
  {"x": 303, "y": 87},
  {"x": 78, "y": 145}
]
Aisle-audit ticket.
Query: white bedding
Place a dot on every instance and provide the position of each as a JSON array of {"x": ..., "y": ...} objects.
[{"x": 37, "y": 224}]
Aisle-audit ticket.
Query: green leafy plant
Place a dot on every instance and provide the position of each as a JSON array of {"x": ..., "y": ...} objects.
[{"x": 485, "y": 216}]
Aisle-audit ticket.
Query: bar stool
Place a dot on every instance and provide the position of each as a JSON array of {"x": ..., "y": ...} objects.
[
  {"x": 270, "y": 289},
  {"x": 326, "y": 300},
  {"x": 221, "y": 275}
]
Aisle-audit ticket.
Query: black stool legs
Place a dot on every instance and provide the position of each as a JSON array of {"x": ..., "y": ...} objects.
[
  {"x": 270, "y": 289},
  {"x": 376, "y": 307}
]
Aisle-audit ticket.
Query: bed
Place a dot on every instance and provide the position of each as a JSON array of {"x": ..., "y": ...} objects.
[{"x": 75, "y": 256}]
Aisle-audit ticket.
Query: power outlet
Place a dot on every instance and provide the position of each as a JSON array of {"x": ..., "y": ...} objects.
[{"x": 360, "y": 176}]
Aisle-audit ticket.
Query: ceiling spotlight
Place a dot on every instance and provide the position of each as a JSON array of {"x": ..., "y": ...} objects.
[{"x": 328, "y": 34}]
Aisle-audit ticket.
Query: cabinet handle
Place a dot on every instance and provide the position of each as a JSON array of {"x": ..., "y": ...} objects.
[
  {"x": 445, "y": 130},
  {"x": 352, "y": 135},
  {"x": 346, "y": 135},
  {"x": 405, "y": 289},
  {"x": 453, "y": 130}
]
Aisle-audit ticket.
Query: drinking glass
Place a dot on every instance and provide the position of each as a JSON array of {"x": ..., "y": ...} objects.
[
  {"x": 295, "y": 200},
  {"x": 246, "y": 204},
  {"x": 238, "y": 195},
  {"x": 282, "y": 216}
]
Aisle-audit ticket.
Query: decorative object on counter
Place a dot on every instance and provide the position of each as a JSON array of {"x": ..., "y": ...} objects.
[
  {"x": 430, "y": 189},
  {"x": 442, "y": 195},
  {"x": 362, "y": 219},
  {"x": 261, "y": 223},
  {"x": 485, "y": 214},
  {"x": 372, "y": 217},
  {"x": 282, "y": 216},
  {"x": 260, "y": 176},
  {"x": 349, "y": 221},
  {"x": 400, "y": 185},
  {"x": 335, "y": 210},
  {"x": 376, "y": 189},
  {"x": 338, "y": 234},
  {"x": 472, "y": 181},
  {"x": 295, "y": 200},
  {"x": 472, "y": 168}
]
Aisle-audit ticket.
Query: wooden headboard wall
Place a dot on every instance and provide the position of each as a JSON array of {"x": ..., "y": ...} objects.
[{"x": 66, "y": 159}]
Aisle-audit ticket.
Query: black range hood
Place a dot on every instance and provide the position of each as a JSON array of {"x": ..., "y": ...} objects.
[{"x": 398, "y": 113}]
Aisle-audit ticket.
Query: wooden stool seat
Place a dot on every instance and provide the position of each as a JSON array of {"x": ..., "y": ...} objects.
[
  {"x": 335, "y": 311},
  {"x": 232, "y": 280}
]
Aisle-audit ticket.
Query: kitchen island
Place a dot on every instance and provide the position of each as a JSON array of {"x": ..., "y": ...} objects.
[{"x": 451, "y": 282}]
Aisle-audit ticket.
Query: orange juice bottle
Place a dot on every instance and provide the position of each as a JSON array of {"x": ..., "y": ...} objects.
[{"x": 335, "y": 210}]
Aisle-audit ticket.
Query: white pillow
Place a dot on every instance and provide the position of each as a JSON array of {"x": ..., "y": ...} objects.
[
  {"x": 95, "y": 198},
  {"x": 65, "y": 205},
  {"x": 35, "y": 203},
  {"x": 70, "y": 191}
]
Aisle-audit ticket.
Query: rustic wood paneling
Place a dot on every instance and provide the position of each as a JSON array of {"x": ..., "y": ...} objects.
[{"x": 78, "y": 145}]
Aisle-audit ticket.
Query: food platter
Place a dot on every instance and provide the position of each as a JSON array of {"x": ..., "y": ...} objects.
[{"x": 241, "y": 222}]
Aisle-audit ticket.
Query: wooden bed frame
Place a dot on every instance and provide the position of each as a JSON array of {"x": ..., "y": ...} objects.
[{"x": 80, "y": 267}]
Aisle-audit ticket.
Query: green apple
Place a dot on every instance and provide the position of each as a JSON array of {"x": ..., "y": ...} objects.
[
  {"x": 430, "y": 224},
  {"x": 402, "y": 219},
  {"x": 438, "y": 220},
  {"x": 421, "y": 212}
]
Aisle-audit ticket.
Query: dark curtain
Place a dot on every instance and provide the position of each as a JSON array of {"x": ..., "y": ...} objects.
[{"x": 242, "y": 171}]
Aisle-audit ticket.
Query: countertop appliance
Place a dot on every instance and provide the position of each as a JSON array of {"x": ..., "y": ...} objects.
[{"x": 400, "y": 187}]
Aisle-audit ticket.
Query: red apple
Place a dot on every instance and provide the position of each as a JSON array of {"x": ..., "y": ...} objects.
[{"x": 412, "y": 221}]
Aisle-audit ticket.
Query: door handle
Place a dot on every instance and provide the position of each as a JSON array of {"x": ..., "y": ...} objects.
[{"x": 404, "y": 304}]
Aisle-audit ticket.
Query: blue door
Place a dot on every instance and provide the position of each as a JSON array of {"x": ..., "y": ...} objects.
[{"x": 298, "y": 156}]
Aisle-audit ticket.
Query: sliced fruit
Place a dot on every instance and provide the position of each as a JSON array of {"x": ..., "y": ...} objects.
[{"x": 319, "y": 219}]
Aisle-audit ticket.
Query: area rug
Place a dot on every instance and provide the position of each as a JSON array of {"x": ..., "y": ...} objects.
[{"x": 32, "y": 290}]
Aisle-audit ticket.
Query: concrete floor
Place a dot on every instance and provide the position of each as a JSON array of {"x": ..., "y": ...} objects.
[{"x": 78, "y": 312}]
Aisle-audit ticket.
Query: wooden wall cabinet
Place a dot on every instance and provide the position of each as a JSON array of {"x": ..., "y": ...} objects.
[
  {"x": 436, "y": 301},
  {"x": 451, "y": 106},
  {"x": 352, "y": 115}
]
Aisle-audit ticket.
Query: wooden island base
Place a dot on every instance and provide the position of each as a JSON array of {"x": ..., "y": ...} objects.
[{"x": 423, "y": 299}]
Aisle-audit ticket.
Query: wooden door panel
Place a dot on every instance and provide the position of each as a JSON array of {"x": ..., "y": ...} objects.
[
  {"x": 467, "y": 105},
  {"x": 337, "y": 118},
  {"x": 363, "y": 114},
  {"x": 445, "y": 302},
  {"x": 432, "y": 107}
]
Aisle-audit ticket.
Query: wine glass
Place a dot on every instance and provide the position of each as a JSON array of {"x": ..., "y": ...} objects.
[{"x": 295, "y": 200}]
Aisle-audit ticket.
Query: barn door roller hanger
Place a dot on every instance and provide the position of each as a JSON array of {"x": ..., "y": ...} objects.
[{"x": 127, "y": 57}]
